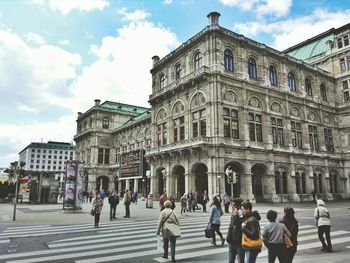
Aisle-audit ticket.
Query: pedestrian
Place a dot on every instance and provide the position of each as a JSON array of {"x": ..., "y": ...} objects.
[
  {"x": 189, "y": 201},
  {"x": 172, "y": 200},
  {"x": 314, "y": 197},
  {"x": 183, "y": 202},
  {"x": 250, "y": 228},
  {"x": 97, "y": 205},
  {"x": 112, "y": 200},
  {"x": 127, "y": 202},
  {"x": 102, "y": 194},
  {"x": 169, "y": 225},
  {"x": 234, "y": 234},
  {"x": 227, "y": 201},
  {"x": 323, "y": 223},
  {"x": 162, "y": 200},
  {"x": 194, "y": 201},
  {"x": 205, "y": 200},
  {"x": 134, "y": 197},
  {"x": 91, "y": 195},
  {"x": 273, "y": 236},
  {"x": 215, "y": 219},
  {"x": 293, "y": 227}
]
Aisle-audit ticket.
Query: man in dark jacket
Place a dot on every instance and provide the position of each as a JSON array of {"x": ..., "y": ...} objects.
[
  {"x": 234, "y": 234},
  {"x": 251, "y": 228},
  {"x": 112, "y": 200}
]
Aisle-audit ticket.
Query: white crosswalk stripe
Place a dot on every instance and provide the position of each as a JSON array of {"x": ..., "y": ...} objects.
[{"x": 130, "y": 239}]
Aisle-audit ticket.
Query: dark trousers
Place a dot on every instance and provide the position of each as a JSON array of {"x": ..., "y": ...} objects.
[
  {"x": 325, "y": 230},
  {"x": 279, "y": 251},
  {"x": 216, "y": 228},
  {"x": 97, "y": 219},
  {"x": 204, "y": 206},
  {"x": 235, "y": 251},
  {"x": 291, "y": 252},
  {"x": 127, "y": 210},
  {"x": 112, "y": 211},
  {"x": 227, "y": 207},
  {"x": 172, "y": 247}
]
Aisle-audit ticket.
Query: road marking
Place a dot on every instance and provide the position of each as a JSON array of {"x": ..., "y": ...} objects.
[{"x": 4, "y": 241}]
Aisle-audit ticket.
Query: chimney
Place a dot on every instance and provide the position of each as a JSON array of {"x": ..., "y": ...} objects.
[
  {"x": 155, "y": 60},
  {"x": 213, "y": 18},
  {"x": 97, "y": 102},
  {"x": 80, "y": 114}
]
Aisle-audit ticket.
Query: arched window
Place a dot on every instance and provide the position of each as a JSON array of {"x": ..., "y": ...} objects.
[
  {"x": 291, "y": 82},
  {"x": 197, "y": 60},
  {"x": 178, "y": 72},
  {"x": 323, "y": 92},
  {"x": 162, "y": 81},
  {"x": 252, "y": 68},
  {"x": 273, "y": 76},
  {"x": 228, "y": 60},
  {"x": 308, "y": 87}
]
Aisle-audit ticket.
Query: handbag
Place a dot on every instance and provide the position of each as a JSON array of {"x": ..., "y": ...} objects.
[
  {"x": 248, "y": 243},
  {"x": 287, "y": 241},
  {"x": 209, "y": 231},
  {"x": 159, "y": 243},
  {"x": 92, "y": 212}
]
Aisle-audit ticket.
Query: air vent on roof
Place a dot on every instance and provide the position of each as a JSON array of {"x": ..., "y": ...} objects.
[
  {"x": 119, "y": 107},
  {"x": 135, "y": 109}
]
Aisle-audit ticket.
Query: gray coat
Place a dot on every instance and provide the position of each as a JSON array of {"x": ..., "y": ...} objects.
[
  {"x": 169, "y": 225},
  {"x": 321, "y": 214}
]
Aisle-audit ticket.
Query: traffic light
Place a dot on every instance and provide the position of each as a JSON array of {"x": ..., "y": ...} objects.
[{"x": 231, "y": 177}]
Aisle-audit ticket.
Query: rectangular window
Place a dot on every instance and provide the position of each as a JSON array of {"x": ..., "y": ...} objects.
[
  {"x": 346, "y": 40},
  {"x": 106, "y": 157},
  {"x": 296, "y": 134},
  {"x": 199, "y": 123},
  {"x": 348, "y": 62},
  {"x": 345, "y": 85},
  {"x": 313, "y": 138},
  {"x": 277, "y": 131},
  {"x": 255, "y": 127},
  {"x": 162, "y": 134},
  {"x": 342, "y": 64},
  {"x": 179, "y": 129},
  {"x": 230, "y": 123},
  {"x": 339, "y": 42},
  {"x": 100, "y": 156},
  {"x": 346, "y": 96},
  {"x": 328, "y": 137}
]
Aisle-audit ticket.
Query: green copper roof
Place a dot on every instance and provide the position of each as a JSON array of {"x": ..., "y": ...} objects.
[
  {"x": 110, "y": 105},
  {"x": 311, "y": 49}
]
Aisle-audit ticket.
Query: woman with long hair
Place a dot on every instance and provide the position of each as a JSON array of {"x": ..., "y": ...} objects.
[
  {"x": 293, "y": 227},
  {"x": 97, "y": 208},
  {"x": 215, "y": 219}
]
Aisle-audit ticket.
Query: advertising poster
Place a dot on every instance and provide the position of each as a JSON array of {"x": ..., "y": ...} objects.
[
  {"x": 70, "y": 186},
  {"x": 79, "y": 186}
]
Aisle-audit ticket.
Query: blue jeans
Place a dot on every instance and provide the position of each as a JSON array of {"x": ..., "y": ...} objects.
[
  {"x": 234, "y": 251},
  {"x": 251, "y": 255}
]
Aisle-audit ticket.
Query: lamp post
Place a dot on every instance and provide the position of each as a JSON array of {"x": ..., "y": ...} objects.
[{"x": 143, "y": 187}]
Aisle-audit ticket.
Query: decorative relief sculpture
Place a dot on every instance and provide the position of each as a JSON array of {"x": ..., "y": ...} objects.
[
  {"x": 254, "y": 102},
  {"x": 295, "y": 112},
  {"x": 312, "y": 116},
  {"x": 230, "y": 96},
  {"x": 276, "y": 107},
  {"x": 198, "y": 100},
  {"x": 326, "y": 120}
]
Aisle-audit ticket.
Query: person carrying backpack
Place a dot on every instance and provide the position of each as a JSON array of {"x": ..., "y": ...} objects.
[{"x": 112, "y": 200}]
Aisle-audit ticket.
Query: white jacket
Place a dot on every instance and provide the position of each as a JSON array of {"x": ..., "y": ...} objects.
[{"x": 321, "y": 214}]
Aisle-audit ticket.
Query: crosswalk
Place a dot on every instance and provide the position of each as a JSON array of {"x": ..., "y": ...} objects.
[{"x": 127, "y": 240}]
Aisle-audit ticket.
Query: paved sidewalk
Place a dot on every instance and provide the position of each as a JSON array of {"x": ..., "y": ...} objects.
[{"x": 54, "y": 215}]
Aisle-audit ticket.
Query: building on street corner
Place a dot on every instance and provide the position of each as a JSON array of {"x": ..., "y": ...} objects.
[{"x": 279, "y": 120}]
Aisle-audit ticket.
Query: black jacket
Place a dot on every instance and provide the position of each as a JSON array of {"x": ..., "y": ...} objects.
[
  {"x": 252, "y": 227},
  {"x": 234, "y": 233}
]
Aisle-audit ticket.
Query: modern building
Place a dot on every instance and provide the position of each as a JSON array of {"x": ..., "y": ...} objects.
[
  {"x": 221, "y": 102},
  {"x": 45, "y": 163}
]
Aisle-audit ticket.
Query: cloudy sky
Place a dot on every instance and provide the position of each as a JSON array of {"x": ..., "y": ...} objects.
[{"x": 57, "y": 56}]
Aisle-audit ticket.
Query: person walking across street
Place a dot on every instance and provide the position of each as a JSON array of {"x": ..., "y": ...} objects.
[
  {"x": 234, "y": 234},
  {"x": 127, "y": 202},
  {"x": 97, "y": 205},
  {"x": 183, "y": 202},
  {"x": 251, "y": 228},
  {"x": 293, "y": 227},
  {"x": 323, "y": 223},
  {"x": 205, "y": 200},
  {"x": 169, "y": 225},
  {"x": 113, "y": 201},
  {"x": 215, "y": 219},
  {"x": 227, "y": 201},
  {"x": 189, "y": 201},
  {"x": 162, "y": 200},
  {"x": 273, "y": 236}
]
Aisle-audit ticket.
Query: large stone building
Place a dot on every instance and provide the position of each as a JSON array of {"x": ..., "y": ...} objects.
[{"x": 222, "y": 101}]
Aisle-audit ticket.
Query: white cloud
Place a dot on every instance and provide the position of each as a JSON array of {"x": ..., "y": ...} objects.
[
  {"x": 261, "y": 7},
  {"x": 35, "y": 39},
  {"x": 167, "y": 2},
  {"x": 121, "y": 72},
  {"x": 137, "y": 15},
  {"x": 66, "y": 6},
  {"x": 289, "y": 32},
  {"x": 14, "y": 137},
  {"x": 34, "y": 77},
  {"x": 64, "y": 42}
]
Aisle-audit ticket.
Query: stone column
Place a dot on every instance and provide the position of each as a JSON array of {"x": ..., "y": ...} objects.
[
  {"x": 136, "y": 184},
  {"x": 187, "y": 182},
  {"x": 127, "y": 184},
  {"x": 270, "y": 194},
  {"x": 248, "y": 184},
  {"x": 291, "y": 185}
]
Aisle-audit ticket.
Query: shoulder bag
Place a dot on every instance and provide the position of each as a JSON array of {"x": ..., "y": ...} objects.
[
  {"x": 287, "y": 241},
  {"x": 248, "y": 243}
]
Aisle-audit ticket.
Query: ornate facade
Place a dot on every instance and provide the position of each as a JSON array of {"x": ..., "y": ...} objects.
[{"x": 222, "y": 100}]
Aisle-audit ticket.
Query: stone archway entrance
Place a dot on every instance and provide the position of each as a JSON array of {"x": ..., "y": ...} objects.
[
  {"x": 179, "y": 174},
  {"x": 201, "y": 177},
  {"x": 239, "y": 170},
  {"x": 258, "y": 172},
  {"x": 102, "y": 183}
]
